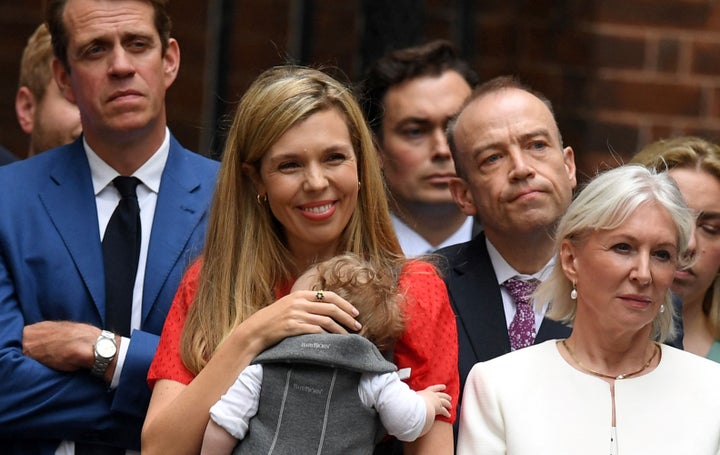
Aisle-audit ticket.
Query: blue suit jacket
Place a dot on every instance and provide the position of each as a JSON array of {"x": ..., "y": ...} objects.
[
  {"x": 51, "y": 268},
  {"x": 477, "y": 302}
]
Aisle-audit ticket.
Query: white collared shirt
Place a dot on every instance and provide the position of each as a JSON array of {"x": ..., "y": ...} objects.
[
  {"x": 504, "y": 271},
  {"x": 413, "y": 244}
]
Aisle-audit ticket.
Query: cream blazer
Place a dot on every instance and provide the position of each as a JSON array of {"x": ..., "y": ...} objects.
[{"x": 532, "y": 402}]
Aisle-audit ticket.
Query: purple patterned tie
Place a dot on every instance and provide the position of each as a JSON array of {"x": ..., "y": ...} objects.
[{"x": 522, "y": 327}]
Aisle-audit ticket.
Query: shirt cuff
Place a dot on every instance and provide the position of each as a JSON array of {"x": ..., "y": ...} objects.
[{"x": 121, "y": 354}]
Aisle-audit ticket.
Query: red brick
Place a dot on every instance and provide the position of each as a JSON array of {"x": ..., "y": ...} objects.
[
  {"x": 668, "y": 55},
  {"x": 618, "y": 140},
  {"x": 690, "y": 14},
  {"x": 618, "y": 52},
  {"x": 705, "y": 58},
  {"x": 714, "y": 103},
  {"x": 713, "y": 20},
  {"x": 646, "y": 97},
  {"x": 561, "y": 89},
  {"x": 568, "y": 47}
]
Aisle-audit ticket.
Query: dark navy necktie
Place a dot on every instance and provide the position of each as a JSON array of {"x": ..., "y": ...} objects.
[{"x": 121, "y": 252}]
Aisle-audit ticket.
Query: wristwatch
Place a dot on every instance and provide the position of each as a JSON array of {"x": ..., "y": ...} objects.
[{"x": 105, "y": 350}]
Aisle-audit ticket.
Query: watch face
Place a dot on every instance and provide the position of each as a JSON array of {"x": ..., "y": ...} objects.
[{"x": 105, "y": 348}]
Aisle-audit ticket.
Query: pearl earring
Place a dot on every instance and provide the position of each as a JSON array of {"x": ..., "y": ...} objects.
[
  {"x": 662, "y": 307},
  {"x": 573, "y": 293}
]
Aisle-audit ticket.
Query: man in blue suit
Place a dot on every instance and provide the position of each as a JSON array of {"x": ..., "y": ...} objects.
[
  {"x": 65, "y": 383},
  {"x": 514, "y": 175}
]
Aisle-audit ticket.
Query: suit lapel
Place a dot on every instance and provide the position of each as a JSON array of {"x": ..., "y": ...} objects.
[
  {"x": 478, "y": 302},
  {"x": 69, "y": 201},
  {"x": 178, "y": 211}
]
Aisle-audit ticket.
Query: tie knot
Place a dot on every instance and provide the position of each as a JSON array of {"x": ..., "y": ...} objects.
[
  {"x": 520, "y": 289},
  {"x": 126, "y": 186}
]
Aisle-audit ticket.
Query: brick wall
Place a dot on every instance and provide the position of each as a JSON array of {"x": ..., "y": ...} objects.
[{"x": 621, "y": 73}]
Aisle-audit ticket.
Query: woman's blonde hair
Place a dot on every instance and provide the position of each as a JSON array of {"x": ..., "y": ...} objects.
[
  {"x": 245, "y": 255},
  {"x": 605, "y": 203},
  {"x": 697, "y": 154}
]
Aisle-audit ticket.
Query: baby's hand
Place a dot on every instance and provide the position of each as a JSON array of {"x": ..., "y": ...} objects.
[{"x": 435, "y": 397}]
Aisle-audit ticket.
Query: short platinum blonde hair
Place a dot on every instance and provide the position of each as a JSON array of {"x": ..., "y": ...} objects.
[{"x": 605, "y": 203}]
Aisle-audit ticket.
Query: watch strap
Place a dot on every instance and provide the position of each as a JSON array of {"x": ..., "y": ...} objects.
[{"x": 101, "y": 363}]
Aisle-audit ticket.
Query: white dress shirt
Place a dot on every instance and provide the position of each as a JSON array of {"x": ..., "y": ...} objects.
[{"x": 413, "y": 244}]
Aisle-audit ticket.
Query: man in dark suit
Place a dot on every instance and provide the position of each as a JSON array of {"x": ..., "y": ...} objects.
[
  {"x": 515, "y": 176},
  {"x": 69, "y": 382}
]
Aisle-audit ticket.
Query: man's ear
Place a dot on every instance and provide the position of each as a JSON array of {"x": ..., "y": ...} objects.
[
  {"x": 460, "y": 191},
  {"x": 62, "y": 77},
  {"x": 569, "y": 159},
  {"x": 25, "y": 105},
  {"x": 171, "y": 62}
]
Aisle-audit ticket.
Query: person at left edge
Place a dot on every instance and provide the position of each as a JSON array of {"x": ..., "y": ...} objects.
[{"x": 115, "y": 60}]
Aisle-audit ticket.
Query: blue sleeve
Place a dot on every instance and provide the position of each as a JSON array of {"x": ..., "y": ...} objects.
[
  {"x": 40, "y": 402},
  {"x": 132, "y": 394}
]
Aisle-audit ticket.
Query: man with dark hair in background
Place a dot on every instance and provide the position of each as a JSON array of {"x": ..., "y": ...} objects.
[{"x": 409, "y": 96}]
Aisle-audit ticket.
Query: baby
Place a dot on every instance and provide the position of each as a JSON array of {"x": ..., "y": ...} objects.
[{"x": 328, "y": 393}]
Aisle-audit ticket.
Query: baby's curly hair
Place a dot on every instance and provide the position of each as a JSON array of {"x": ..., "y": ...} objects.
[{"x": 373, "y": 292}]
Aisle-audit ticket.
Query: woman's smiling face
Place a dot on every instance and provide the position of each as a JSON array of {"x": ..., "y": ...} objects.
[{"x": 310, "y": 177}]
